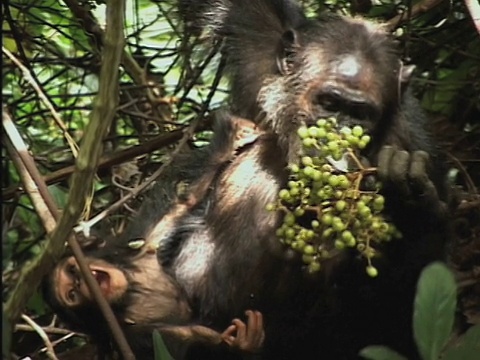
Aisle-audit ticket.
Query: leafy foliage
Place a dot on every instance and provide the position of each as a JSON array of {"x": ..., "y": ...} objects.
[{"x": 435, "y": 305}]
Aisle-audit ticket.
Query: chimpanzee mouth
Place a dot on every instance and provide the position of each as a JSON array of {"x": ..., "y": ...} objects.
[{"x": 103, "y": 280}]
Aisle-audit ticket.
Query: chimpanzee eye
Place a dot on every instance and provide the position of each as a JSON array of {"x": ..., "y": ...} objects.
[
  {"x": 72, "y": 296},
  {"x": 72, "y": 270}
]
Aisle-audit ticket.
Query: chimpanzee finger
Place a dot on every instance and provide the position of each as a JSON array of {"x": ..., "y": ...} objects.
[
  {"x": 384, "y": 159},
  {"x": 423, "y": 186},
  {"x": 398, "y": 171},
  {"x": 252, "y": 327},
  {"x": 418, "y": 172},
  {"x": 429, "y": 195},
  {"x": 431, "y": 201},
  {"x": 251, "y": 320},
  {"x": 260, "y": 332},
  {"x": 241, "y": 331},
  {"x": 228, "y": 335}
]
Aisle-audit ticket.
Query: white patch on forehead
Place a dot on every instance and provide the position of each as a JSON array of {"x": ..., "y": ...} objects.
[{"x": 348, "y": 66}]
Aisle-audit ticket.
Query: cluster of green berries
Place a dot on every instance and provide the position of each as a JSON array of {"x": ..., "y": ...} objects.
[{"x": 325, "y": 209}]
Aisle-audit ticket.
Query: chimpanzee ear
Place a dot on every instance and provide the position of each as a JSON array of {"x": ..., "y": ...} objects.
[{"x": 288, "y": 48}]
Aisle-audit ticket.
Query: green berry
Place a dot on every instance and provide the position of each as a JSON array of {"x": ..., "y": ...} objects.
[
  {"x": 308, "y": 142},
  {"x": 345, "y": 130},
  {"x": 339, "y": 244},
  {"x": 378, "y": 203},
  {"x": 284, "y": 194},
  {"x": 289, "y": 219},
  {"x": 309, "y": 250},
  {"x": 321, "y": 123},
  {"x": 303, "y": 132},
  {"x": 289, "y": 233},
  {"x": 307, "y": 161},
  {"x": 365, "y": 138},
  {"x": 333, "y": 180},
  {"x": 372, "y": 271},
  {"x": 307, "y": 259},
  {"x": 314, "y": 267},
  {"x": 294, "y": 191},
  {"x": 327, "y": 219},
  {"x": 357, "y": 131},
  {"x": 299, "y": 212},
  {"x": 309, "y": 171},
  {"x": 343, "y": 182},
  {"x": 341, "y": 205},
  {"x": 294, "y": 168}
]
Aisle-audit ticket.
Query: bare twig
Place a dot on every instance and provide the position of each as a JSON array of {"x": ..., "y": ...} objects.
[
  {"x": 91, "y": 27},
  {"x": 48, "y": 330},
  {"x": 38, "y": 329},
  {"x": 56, "y": 116},
  {"x": 472, "y": 189},
  {"x": 108, "y": 160},
  {"x": 31, "y": 178},
  {"x": 86, "y": 225}
]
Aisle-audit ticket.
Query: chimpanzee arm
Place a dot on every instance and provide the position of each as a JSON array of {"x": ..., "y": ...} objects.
[{"x": 242, "y": 336}]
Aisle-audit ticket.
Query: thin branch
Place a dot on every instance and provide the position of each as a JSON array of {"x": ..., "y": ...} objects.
[
  {"x": 472, "y": 189},
  {"x": 108, "y": 160},
  {"x": 415, "y": 11},
  {"x": 56, "y": 116},
  {"x": 38, "y": 329},
  {"x": 86, "y": 225},
  {"x": 29, "y": 175},
  {"x": 93, "y": 29},
  {"x": 58, "y": 341},
  {"x": 48, "y": 330}
]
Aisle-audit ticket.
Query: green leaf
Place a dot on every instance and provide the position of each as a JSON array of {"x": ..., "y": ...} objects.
[
  {"x": 435, "y": 304},
  {"x": 159, "y": 347},
  {"x": 378, "y": 352},
  {"x": 467, "y": 347}
]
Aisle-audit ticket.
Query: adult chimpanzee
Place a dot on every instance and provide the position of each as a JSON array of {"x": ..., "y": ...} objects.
[
  {"x": 142, "y": 295},
  {"x": 287, "y": 71},
  {"x": 219, "y": 245}
]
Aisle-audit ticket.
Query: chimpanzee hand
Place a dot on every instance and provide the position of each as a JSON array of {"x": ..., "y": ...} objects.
[
  {"x": 247, "y": 337},
  {"x": 407, "y": 173}
]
